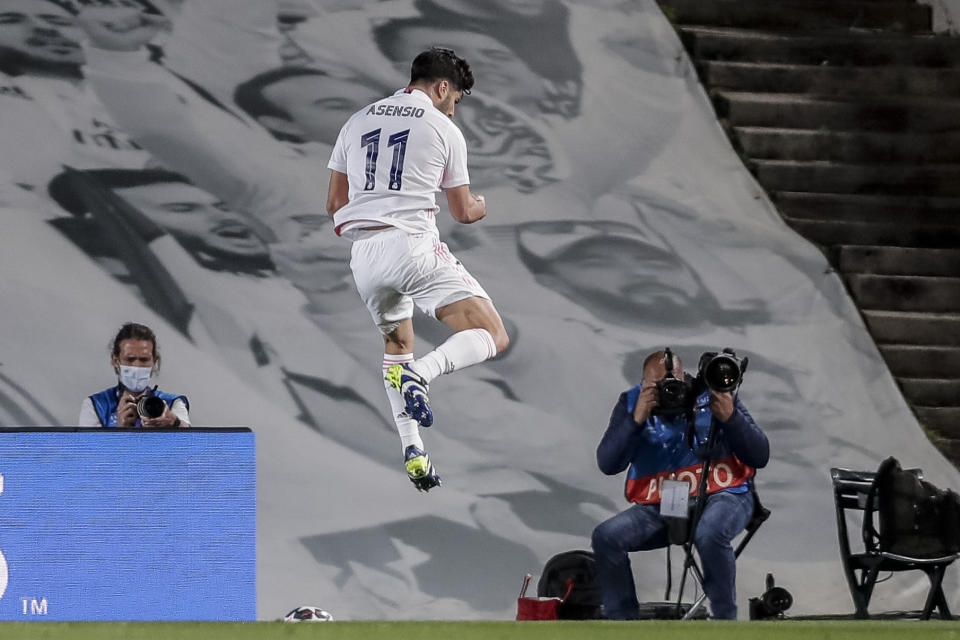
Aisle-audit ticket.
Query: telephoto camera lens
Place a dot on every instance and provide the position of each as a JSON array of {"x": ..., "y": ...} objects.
[
  {"x": 722, "y": 374},
  {"x": 774, "y": 601},
  {"x": 150, "y": 407}
]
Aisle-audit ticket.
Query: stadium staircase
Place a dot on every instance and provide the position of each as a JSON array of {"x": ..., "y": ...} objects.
[{"x": 848, "y": 114}]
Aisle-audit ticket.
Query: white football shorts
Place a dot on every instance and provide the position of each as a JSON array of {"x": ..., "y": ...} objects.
[{"x": 394, "y": 270}]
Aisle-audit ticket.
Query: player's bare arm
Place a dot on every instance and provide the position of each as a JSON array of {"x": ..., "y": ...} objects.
[
  {"x": 466, "y": 207},
  {"x": 338, "y": 192}
]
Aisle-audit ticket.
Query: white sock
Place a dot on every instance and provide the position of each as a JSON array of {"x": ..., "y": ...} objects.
[
  {"x": 462, "y": 349},
  {"x": 407, "y": 427}
]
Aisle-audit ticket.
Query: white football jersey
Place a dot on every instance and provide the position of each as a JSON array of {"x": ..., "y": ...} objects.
[{"x": 397, "y": 154}]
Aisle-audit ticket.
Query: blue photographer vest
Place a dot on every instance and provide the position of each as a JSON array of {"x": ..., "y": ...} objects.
[
  {"x": 666, "y": 454},
  {"x": 105, "y": 403}
]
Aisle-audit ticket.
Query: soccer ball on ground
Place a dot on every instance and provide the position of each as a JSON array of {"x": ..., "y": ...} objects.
[{"x": 308, "y": 614}]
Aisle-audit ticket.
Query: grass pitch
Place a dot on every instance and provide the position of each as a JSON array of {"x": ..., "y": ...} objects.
[{"x": 567, "y": 630}]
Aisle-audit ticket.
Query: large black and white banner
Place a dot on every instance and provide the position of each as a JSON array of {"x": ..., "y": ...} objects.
[{"x": 176, "y": 175}]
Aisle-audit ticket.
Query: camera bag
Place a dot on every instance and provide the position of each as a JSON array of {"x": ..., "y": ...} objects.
[
  {"x": 583, "y": 598},
  {"x": 916, "y": 519}
]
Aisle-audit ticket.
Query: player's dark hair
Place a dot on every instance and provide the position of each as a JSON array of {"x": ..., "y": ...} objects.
[
  {"x": 135, "y": 331},
  {"x": 438, "y": 63}
]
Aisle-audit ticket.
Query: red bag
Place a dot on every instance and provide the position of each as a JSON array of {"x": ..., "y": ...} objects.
[{"x": 539, "y": 608}]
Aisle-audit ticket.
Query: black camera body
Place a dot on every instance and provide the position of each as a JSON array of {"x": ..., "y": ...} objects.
[
  {"x": 718, "y": 371},
  {"x": 674, "y": 396},
  {"x": 721, "y": 372},
  {"x": 150, "y": 406}
]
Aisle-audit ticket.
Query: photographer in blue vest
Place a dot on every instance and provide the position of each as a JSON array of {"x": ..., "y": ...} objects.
[
  {"x": 662, "y": 430},
  {"x": 133, "y": 402}
]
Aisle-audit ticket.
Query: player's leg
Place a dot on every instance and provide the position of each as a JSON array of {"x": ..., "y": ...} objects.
[
  {"x": 398, "y": 375},
  {"x": 406, "y": 399},
  {"x": 441, "y": 287},
  {"x": 398, "y": 351},
  {"x": 479, "y": 335},
  {"x": 475, "y": 317},
  {"x": 392, "y": 313},
  {"x": 454, "y": 297}
]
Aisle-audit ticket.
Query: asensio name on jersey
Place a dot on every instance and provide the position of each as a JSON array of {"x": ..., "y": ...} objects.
[
  {"x": 395, "y": 110},
  {"x": 404, "y": 151}
]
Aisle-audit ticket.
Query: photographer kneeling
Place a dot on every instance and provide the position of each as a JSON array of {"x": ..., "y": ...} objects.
[
  {"x": 660, "y": 430},
  {"x": 132, "y": 403}
]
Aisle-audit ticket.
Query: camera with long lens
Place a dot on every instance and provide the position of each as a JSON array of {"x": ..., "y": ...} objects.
[
  {"x": 774, "y": 601},
  {"x": 674, "y": 396},
  {"x": 722, "y": 372},
  {"x": 149, "y": 406}
]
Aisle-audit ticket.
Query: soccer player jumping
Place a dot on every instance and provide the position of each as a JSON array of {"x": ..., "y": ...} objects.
[{"x": 389, "y": 161}]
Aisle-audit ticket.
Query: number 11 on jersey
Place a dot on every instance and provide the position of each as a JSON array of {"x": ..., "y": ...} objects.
[{"x": 371, "y": 140}]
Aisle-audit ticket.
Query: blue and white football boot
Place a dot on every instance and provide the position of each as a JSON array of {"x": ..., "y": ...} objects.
[
  {"x": 420, "y": 470},
  {"x": 413, "y": 388}
]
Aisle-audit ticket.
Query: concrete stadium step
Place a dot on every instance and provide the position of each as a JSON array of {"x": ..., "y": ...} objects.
[
  {"x": 939, "y": 180},
  {"x": 943, "y": 420},
  {"x": 777, "y": 143},
  {"x": 907, "y": 211},
  {"x": 931, "y": 392},
  {"x": 808, "y": 14},
  {"x": 841, "y": 48},
  {"x": 827, "y": 81},
  {"x": 914, "y": 327},
  {"x": 899, "y": 261},
  {"x": 856, "y": 135},
  {"x": 910, "y": 361},
  {"x": 838, "y": 113},
  {"x": 829, "y": 233},
  {"x": 949, "y": 447},
  {"x": 905, "y": 293}
]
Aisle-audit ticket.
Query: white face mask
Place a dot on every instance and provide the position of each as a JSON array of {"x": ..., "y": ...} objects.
[{"x": 135, "y": 379}]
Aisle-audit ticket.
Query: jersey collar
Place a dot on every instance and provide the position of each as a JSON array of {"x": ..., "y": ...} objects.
[{"x": 416, "y": 94}]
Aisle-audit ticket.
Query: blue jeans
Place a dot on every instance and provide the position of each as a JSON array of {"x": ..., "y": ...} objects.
[{"x": 640, "y": 528}]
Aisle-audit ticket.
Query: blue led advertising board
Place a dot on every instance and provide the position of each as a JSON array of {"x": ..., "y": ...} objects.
[{"x": 115, "y": 524}]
